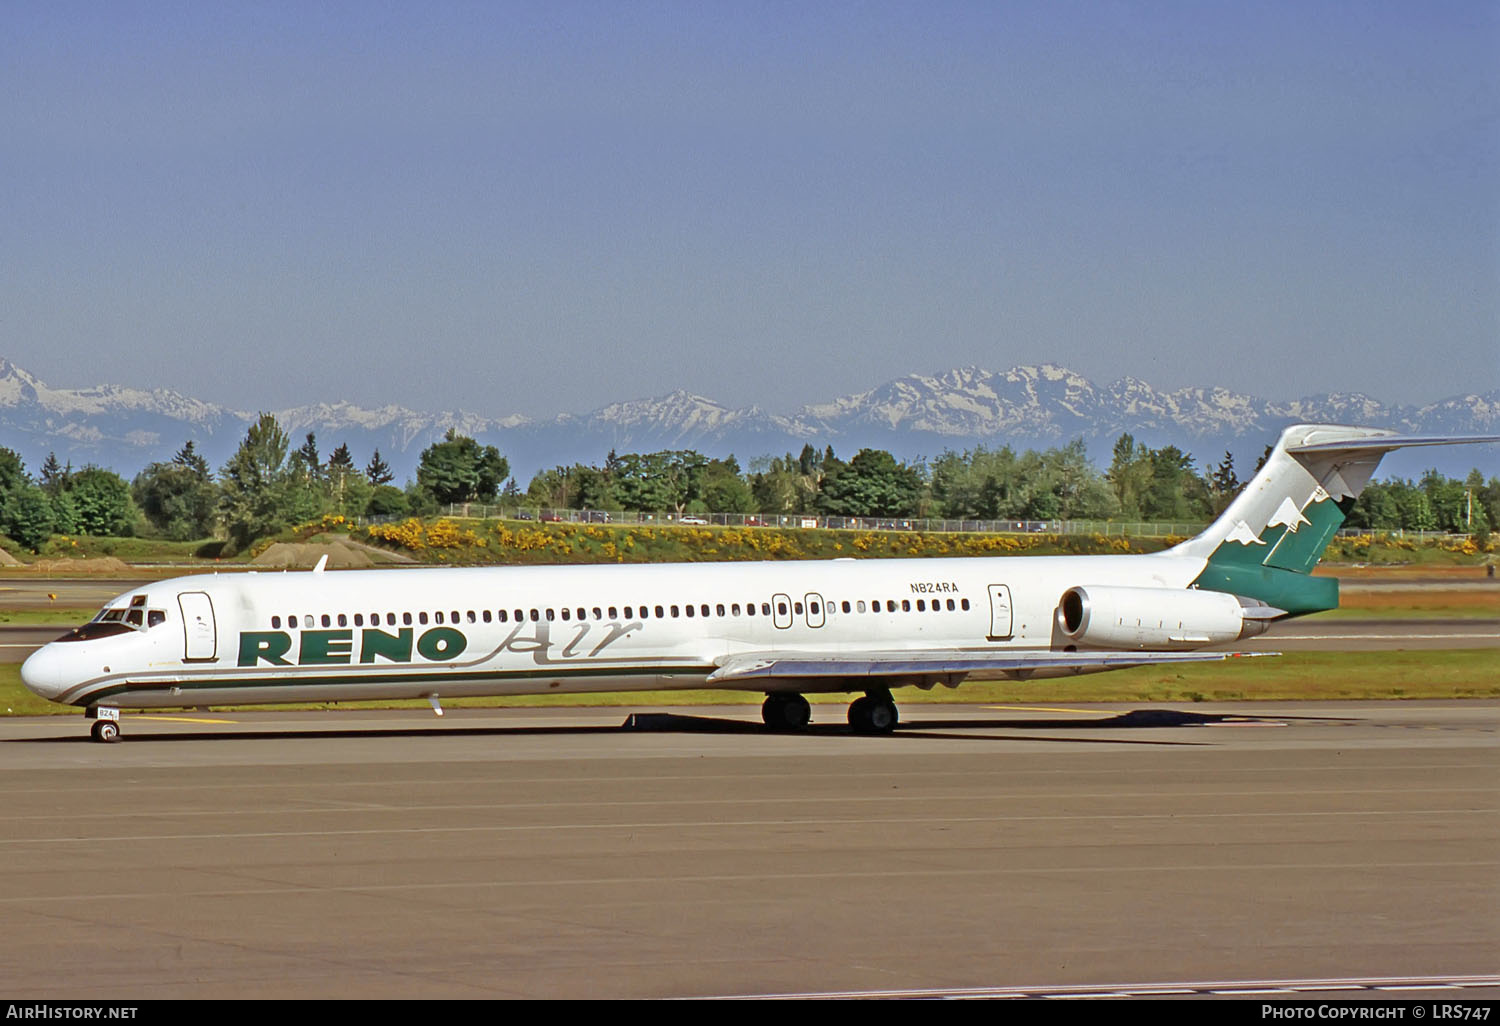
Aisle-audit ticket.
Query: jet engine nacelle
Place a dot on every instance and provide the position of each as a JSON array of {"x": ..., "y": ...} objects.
[{"x": 1157, "y": 619}]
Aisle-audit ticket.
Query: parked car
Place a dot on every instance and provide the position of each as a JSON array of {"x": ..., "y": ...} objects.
[
  {"x": 594, "y": 516},
  {"x": 549, "y": 517},
  {"x": 754, "y": 522},
  {"x": 693, "y": 520}
]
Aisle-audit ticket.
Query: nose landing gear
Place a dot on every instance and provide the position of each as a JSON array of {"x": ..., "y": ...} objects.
[{"x": 106, "y": 726}]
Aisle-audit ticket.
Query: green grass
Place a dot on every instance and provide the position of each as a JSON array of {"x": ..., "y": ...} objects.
[{"x": 1310, "y": 676}]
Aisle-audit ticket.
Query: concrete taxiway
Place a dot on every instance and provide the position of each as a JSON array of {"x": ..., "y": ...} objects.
[{"x": 682, "y": 853}]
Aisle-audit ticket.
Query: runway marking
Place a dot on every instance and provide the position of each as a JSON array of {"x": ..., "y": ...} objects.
[
  {"x": 1283, "y": 638},
  {"x": 1046, "y": 708},
  {"x": 780, "y": 824},
  {"x": 1223, "y": 988},
  {"x": 637, "y": 882},
  {"x": 152, "y": 717}
]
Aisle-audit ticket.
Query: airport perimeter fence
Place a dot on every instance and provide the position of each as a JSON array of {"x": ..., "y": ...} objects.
[
  {"x": 1105, "y": 528},
  {"x": 478, "y": 511}
]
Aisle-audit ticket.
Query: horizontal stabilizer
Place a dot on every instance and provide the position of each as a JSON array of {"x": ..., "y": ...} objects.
[{"x": 1385, "y": 443}]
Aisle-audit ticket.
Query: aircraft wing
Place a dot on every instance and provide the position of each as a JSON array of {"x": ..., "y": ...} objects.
[{"x": 952, "y": 664}]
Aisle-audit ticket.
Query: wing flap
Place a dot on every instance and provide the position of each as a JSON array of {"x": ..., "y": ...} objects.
[{"x": 943, "y": 663}]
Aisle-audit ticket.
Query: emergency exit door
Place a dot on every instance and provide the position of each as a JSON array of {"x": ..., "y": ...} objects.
[
  {"x": 1001, "y": 618},
  {"x": 200, "y": 641}
]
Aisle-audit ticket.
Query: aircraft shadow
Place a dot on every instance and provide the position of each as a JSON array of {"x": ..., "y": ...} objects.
[{"x": 967, "y": 728}]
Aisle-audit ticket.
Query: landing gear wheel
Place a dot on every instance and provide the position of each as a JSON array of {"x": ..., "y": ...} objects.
[
  {"x": 105, "y": 731},
  {"x": 786, "y": 712},
  {"x": 873, "y": 715}
]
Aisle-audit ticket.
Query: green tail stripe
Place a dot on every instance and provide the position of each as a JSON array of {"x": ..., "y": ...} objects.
[
  {"x": 1294, "y": 592},
  {"x": 1301, "y": 551}
]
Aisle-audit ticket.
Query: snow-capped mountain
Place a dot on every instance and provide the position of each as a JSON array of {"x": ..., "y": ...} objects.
[{"x": 912, "y": 416}]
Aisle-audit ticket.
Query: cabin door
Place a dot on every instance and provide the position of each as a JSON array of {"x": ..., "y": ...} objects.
[
  {"x": 1001, "y": 624},
  {"x": 199, "y": 638},
  {"x": 814, "y": 609},
  {"x": 781, "y": 611}
]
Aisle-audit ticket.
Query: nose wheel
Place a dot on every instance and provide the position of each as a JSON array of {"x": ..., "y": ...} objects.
[{"x": 106, "y": 726}]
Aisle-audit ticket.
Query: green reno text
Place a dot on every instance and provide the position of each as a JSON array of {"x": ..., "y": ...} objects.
[{"x": 324, "y": 648}]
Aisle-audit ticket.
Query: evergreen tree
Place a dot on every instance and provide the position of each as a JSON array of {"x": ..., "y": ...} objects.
[
  {"x": 256, "y": 485},
  {"x": 378, "y": 471}
]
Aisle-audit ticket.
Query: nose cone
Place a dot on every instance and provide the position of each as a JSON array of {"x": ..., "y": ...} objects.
[{"x": 45, "y": 672}]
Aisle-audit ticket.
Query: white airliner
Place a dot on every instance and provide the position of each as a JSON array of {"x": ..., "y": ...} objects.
[{"x": 785, "y": 629}]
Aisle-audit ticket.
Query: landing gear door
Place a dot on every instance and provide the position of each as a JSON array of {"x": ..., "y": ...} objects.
[
  {"x": 200, "y": 639},
  {"x": 1000, "y": 613}
]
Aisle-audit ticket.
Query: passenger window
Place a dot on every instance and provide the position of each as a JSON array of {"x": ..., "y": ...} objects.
[
  {"x": 765, "y": 609},
  {"x": 359, "y": 619},
  {"x": 703, "y": 609},
  {"x": 906, "y": 605},
  {"x": 487, "y": 615},
  {"x": 566, "y": 615},
  {"x": 846, "y": 606},
  {"x": 276, "y": 623},
  {"x": 797, "y": 608},
  {"x": 689, "y": 610},
  {"x": 674, "y": 611},
  {"x": 921, "y": 605},
  {"x": 599, "y": 613},
  {"x": 455, "y": 618},
  {"x": 950, "y": 605},
  {"x": 535, "y": 616},
  {"x": 781, "y": 609},
  {"x": 291, "y": 622},
  {"x": 551, "y": 615},
  {"x": 504, "y": 616},
  {"x": 660, "y": 613},
  {"x": 860, "y": 605},
  {"x": 965, "y": 604},
  {"x": 422, "y": 618},
  {"x": 583, "y": 614},
  {"x": 406, "y": 619},
  {"x": 750, "y": 609},
  {"x": 719, "y": 609},
  {"x": 343, "y": 620},
  {"x": 327, "y": 622},
  {"x": 734, "y": 609}
]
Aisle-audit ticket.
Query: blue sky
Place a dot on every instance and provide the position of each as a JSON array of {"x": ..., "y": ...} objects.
[{"x": 534, "y": 208}]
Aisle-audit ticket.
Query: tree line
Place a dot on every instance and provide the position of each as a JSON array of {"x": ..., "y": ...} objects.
[{"x": 268, "y": 486}]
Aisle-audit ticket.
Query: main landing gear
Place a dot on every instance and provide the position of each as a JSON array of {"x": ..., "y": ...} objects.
[
  {"x": 873, "y": 713},
  {"x": 106, "y": 726},
  {"x": 786, "y": 711}
]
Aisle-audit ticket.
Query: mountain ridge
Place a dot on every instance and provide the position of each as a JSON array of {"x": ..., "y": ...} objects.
[{"x": 915, "y": 415}]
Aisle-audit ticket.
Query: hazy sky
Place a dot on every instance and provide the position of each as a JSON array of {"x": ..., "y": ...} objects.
[{"x": 537, "y": 207}]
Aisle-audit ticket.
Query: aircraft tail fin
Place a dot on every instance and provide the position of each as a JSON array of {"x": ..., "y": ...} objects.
[{"x": 1266, "y": 544}]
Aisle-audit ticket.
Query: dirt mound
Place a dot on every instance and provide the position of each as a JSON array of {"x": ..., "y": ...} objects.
[
  {"x": 306, "y": 554},
  {"x": 6, "y": 559},
  {"x": 95, "y": 565}
]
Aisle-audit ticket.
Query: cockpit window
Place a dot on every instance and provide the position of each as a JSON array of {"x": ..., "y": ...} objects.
[
  {"x": 154, "y": 617},
  {"x": 96, "y": 629}
]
